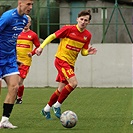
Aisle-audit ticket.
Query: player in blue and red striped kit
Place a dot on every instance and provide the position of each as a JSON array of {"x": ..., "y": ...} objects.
[{"x": 12, "y": 23}]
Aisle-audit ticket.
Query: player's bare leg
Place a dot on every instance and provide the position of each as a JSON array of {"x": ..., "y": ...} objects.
[{"x": 12, "y": 84}]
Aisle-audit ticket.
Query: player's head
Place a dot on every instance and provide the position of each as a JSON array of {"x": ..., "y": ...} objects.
[
  {"x": 24, "y": 6},
  {"x": 83, "y": 19},
  {"x": 84, "y": 13},
  {"x": 27, "y": 27}
]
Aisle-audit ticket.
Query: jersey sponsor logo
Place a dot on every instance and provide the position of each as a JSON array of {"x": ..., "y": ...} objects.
[
  {"x": 23, "y": 45},
  {"x": 16, "y": 28},
  {"x": 72, "y": 48},
  {"x": 73, "y": 34}
]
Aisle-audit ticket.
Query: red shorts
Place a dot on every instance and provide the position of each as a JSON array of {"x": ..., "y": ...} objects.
[
  {"x": 23, "y": 69},
  {"x": 65, "y": 71}
]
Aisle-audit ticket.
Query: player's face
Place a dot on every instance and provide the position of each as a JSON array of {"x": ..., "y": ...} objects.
[
  {"x": 25, "y": 6},
  {"x": 83, "y": 21}
]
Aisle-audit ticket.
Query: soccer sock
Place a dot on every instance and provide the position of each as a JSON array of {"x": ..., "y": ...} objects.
[
  {"x": 64, "y": 94},
  {"x": 20, "y": 91},
  {"x": 7, "y": 109},
  {"x": 47, "y": 108},
  {"x": 57, "y": 104},
  {"x": 54, "y": 98}
]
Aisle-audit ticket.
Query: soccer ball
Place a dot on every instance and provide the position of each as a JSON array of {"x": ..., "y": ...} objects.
[{"x": 68, "y": 119}]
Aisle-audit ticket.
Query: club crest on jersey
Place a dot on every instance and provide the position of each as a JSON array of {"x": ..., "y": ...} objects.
[
  {"x": 85, "y": 37},
  {"x": 29, "y": 36}
]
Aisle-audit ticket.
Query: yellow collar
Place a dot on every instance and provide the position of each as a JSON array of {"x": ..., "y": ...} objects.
[{"x": 79, "y": 29}]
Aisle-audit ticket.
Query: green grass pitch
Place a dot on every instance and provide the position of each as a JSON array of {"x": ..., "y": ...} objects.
[{"x": 99, "y": 110}]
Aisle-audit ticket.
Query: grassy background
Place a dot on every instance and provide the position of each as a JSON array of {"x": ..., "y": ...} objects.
[{"x": 99, "y": 110}]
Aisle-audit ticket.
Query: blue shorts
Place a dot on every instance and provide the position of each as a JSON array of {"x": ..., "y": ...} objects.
[{"x": 8, "y": 66}]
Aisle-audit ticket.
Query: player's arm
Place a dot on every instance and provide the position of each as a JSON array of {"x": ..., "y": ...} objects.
[
  {"x": 36, "y": 43},
  {"x": 45, "y": 42},
  {"x": 5, "y": 20},
  {"x": 48, "y": 40},
  {"x": 88, "y": 51},
  {"x": 84, "y": 52}
]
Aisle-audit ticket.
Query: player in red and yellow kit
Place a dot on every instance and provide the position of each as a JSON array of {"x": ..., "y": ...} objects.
[
  {"x": 74, "y": 38},
  {"x": 26, "y": 41}
]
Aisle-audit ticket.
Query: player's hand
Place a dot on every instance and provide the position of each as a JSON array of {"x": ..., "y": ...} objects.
[
  {"x": 39, "y": 51},
  {"x": 30, "y": 54},
  {"x": 92, "y": 50}
]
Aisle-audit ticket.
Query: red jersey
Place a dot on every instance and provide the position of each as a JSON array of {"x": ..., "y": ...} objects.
[
  {"x": 72, "y": 42},
  {"x": 25, "y": 43}
]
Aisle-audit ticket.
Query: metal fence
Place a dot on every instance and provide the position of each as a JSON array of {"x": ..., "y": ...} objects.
[{"x": 109, "y": 24}]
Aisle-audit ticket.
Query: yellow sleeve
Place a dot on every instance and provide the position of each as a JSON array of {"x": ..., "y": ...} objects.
[
  {"x": 84, "y": 52},
  {"x": 48, "y": 40}
]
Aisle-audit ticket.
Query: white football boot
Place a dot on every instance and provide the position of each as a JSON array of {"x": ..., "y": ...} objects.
[{"x": 6, "y": 124}]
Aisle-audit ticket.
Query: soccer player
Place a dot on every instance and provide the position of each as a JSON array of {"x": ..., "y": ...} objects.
[
  {"x": 12, "y": 23},
  {"x": 25, "y": 42},
  {"x": 74, "y": 38}
]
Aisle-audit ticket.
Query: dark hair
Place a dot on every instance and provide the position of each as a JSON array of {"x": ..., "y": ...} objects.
[{"x": 84, "y": 13}]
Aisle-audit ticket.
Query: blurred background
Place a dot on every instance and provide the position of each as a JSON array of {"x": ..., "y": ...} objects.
[{"x": 112, "y": 20}]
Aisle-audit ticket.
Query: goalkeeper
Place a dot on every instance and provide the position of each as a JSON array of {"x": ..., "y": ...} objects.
[{"x": 74, "y": 38}]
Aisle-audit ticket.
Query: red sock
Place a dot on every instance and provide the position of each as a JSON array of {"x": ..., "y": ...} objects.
[
  {"x": 65, "y": 92},
  {"x": 20, "y": 91},
  {"x": 54, "y": 98}
]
